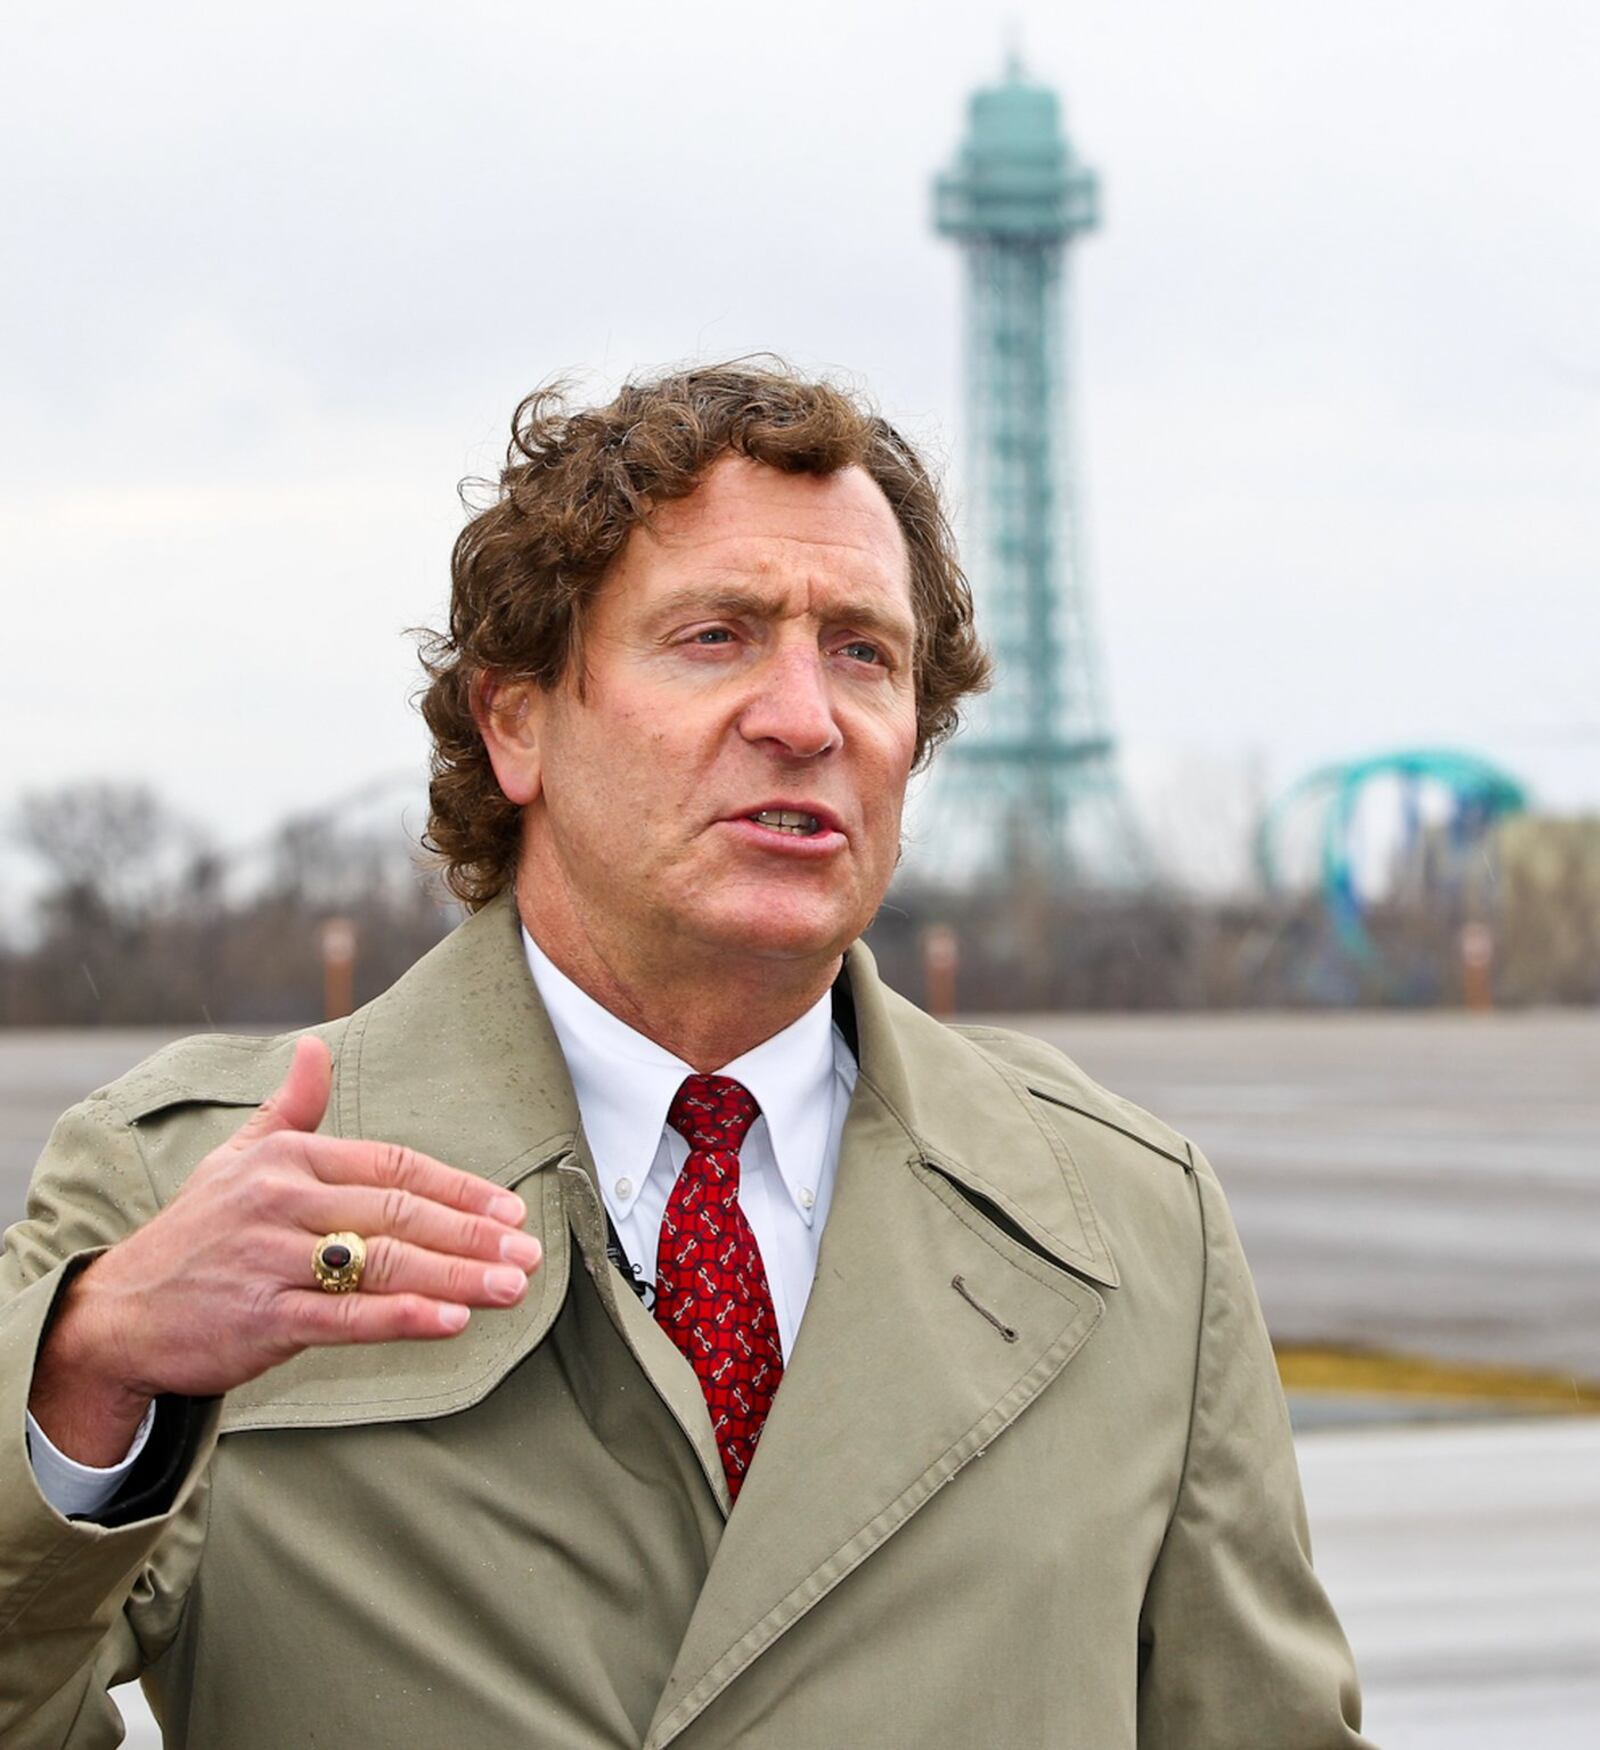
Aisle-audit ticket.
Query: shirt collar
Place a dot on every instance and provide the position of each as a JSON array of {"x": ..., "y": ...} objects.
[{"x": 624, "y": 1084}]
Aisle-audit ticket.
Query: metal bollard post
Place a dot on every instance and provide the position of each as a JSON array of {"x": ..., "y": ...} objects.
[
  {"x": 941, "y": 953},
  {"x": 338, "y": 967},
  {"x": 1476, "y": 946}
]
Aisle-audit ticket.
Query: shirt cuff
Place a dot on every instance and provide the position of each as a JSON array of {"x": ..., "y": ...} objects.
[{"x": 77, "y": 1490}]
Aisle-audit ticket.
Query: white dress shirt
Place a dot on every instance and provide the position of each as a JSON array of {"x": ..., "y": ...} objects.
[{"x": 801, "y": 1078}]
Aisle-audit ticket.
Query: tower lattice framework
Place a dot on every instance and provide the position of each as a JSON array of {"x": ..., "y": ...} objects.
[{"x": 1030, "y": 787}]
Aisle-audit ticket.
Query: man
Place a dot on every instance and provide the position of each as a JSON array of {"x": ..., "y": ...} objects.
[{"x": 735, "y": 1356}]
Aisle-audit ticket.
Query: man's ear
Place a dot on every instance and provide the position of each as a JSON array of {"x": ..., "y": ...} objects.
[{"x": 510, "y": 717}]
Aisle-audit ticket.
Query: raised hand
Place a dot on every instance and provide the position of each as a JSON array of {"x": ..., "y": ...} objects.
[{"x": 219, "y": 1286}]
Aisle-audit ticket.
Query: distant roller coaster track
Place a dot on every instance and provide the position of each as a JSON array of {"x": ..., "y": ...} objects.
[{"x": 1475, "y": 793}]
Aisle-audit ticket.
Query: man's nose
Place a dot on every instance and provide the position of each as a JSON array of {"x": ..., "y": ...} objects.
[{"x": 791, "y": 706}]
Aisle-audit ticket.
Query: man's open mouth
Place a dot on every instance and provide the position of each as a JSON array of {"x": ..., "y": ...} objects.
[{"x": 788, "y": 820}]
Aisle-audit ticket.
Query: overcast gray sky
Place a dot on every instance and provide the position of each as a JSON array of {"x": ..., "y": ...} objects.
[{"x": 275, "y": 278}]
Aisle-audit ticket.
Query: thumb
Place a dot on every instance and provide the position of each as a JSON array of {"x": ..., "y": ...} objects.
[{"x": 299, "y": 1102}]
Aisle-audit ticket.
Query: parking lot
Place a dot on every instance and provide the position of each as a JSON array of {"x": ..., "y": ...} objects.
[{"x": 1420, "y": 1186}]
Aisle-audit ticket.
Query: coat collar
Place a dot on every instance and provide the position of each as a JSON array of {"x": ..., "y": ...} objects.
[
  {"x": 971, "y": 1116},
  {"x": 459, "y": 1058}
]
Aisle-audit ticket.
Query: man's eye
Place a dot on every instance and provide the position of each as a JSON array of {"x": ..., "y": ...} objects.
[
  {"x": 714, "y": 635},
  {"x": 862, "y": 651}
]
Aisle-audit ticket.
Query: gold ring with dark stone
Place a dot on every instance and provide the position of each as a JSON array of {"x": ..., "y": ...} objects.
[{"x": 337, "y": 1261}]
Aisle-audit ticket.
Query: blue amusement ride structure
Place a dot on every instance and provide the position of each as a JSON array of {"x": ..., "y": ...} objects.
[{"x": 1447, "y": 803}]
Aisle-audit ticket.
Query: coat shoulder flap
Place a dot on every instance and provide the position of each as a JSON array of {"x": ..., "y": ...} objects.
[
  {"x": 221, "y": 1069},
  {"x": 1052, "y": 1076}
]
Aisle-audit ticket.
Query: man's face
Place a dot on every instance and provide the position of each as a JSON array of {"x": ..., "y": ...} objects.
[{"x": 731, "y": 775}]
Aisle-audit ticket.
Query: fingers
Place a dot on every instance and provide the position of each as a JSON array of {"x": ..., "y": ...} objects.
[
  {"x": 341, "y": 1161},
  {"x": 407, "y": 1292},
  {"x": 318, "y": 1319},
  {"x": 394, "y": 1267},
  {"x": 404, "y": 1215},
  {"x": 439, "y": 1241},
  {"x": 298, "y": 1104}
]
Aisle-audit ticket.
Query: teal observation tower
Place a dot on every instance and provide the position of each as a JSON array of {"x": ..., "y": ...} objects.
[{"x": 1030, "y": 789}]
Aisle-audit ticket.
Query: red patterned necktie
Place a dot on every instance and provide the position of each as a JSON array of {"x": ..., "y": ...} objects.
[{"x": 711, "y": 1286}]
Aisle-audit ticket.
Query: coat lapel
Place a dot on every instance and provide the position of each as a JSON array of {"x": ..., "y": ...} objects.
[
  {"x": 464, "y": 1063},
  {"x": 674, "y": 1380},
  {"x": 940, "y": 1310}
]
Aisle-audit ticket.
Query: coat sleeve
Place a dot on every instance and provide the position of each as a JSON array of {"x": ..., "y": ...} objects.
[
  {"x": 82, "y": 1605},
  {"x": 1239, "y": 1646}
]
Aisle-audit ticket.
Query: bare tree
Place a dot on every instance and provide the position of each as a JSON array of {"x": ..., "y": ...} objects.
[{"x": 112, "y": 846}]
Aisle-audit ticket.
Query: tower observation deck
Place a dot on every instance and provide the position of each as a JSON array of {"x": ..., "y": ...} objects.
[{"x": 1031, "y": 785}]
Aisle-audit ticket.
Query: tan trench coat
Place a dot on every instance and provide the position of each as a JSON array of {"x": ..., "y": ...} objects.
[{"x": 1028, "y": 1479}]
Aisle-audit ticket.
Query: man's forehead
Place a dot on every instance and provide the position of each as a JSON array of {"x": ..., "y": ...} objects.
[{"x": 740, "y": 500}]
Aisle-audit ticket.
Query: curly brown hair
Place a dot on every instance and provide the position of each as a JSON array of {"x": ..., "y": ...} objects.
[{"x": 576, "y": 482}]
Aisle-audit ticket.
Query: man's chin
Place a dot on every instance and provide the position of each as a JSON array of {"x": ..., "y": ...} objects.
[{"x": 784, "y": 932}]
